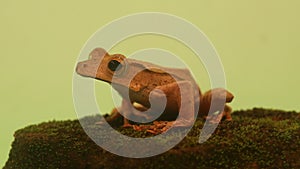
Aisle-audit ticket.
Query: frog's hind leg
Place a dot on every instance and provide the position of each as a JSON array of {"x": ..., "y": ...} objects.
[
  {"x": 180, "y": 95},
  {"x": 180, "y": 103},
  {"x": 219, "y": 95},
  {"x": 227, "y": 112}
]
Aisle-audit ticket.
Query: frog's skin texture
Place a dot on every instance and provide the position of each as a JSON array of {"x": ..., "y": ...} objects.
[{"x": 144, "y": 85}]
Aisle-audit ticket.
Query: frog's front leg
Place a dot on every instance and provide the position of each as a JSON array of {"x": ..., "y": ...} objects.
[
  {"x": 125, "y": 109},
  {"x": 129, "y": 109}
]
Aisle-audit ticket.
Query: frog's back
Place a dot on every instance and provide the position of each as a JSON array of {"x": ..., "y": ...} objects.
[
  {"x": 150, "y": 76},
  {"x": 145, "y": 81},
  {"x": 179, "y": 74}
]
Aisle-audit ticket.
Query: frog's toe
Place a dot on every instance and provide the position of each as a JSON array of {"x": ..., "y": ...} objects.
[
  {"x": 152, "y": 131},
  {"x": 127, "y": 125}
]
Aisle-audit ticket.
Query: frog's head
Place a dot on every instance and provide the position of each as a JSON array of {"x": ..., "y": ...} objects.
[{"x": 101, "y": 65}]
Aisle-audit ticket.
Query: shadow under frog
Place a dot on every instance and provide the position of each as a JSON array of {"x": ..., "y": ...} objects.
[{"x": 152, "y": 92}]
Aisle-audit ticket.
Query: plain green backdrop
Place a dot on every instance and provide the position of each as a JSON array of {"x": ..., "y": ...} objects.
[{"x": 258, "y": 43}]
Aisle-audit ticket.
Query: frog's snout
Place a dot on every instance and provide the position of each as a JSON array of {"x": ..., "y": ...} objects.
[
  {"x": 84, "y": 69},
  {"x": 79, "y": 67}
]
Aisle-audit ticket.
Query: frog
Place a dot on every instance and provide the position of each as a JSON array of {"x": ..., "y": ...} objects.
[{"x": 144, "y": 86}]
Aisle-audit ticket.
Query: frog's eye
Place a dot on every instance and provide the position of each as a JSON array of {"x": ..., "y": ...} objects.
[
  {"x": 114, "y": 65},
  {"x": 117, "y": 65}
]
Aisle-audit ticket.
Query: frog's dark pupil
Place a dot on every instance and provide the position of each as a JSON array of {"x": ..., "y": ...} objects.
[{"x": 114, "y": 65}]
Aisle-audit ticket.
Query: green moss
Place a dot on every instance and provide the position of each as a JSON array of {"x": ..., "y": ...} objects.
[{"x": 257, "y": 138}]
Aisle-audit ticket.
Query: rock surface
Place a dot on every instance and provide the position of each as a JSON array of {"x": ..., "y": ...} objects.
[{"x": 257, "y": 138}]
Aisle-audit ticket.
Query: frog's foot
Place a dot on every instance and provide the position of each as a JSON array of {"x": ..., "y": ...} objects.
[
  {"x": 140, "y": 127},
  {"x": 224, "y": 115},
  {"x": 227, "y": 113},
  {"x": 159, "y": 127},
  {"x": 128, "y": 125}
]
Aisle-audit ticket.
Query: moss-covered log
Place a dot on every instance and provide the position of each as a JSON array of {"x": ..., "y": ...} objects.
[{"x": 257, "y": 138}]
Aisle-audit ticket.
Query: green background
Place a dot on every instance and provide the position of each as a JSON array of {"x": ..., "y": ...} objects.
[{"x": 258, "y": 43}]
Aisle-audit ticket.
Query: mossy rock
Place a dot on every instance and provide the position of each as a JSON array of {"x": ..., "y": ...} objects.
[{"x": 257, "y": 138}]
